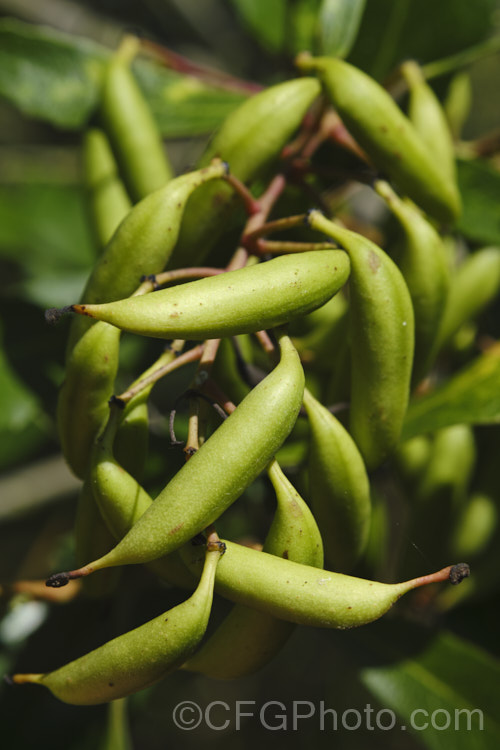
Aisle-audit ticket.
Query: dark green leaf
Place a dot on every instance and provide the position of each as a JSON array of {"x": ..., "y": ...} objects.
[
  {"x": 22, "y": 421},
  {"x": 339, "y": 22},
  {"x": 56, "y": 77},
  {"x": 480, "y": 188},
  {"x": 395, "y": 30},
  {"x": 266, "y": 19},
  {"x": 472, "y": 397},
  {"x": 449, "y": 681}
]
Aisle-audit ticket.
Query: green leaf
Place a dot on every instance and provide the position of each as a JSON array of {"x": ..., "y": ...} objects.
[
  {"x": 56, "y": 77},
  {"x": 339, "y": 21},
  {"x": 470, "y": 397},
  {"x": 44, "y": 229},
  {"x": 303, "y": 26},
  {"x": 49, "y": 75},
  {"x": 480, "y": 187},
  {"x": 266, "y": 19},
  {"x": 183, "y": 105},
  {"x": 22, "y": 421},
  {"x": 450, "y": 680}
]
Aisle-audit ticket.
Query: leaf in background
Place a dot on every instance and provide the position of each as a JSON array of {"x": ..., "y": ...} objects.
[
  {"x": 182, "y": 105},
  {"x": 56, "y": 77},
  {"x": 49, "y": 75},
  {"x": 303, "y": 26},
  {"x": 448, "y": 676},
  {"x": 44, "y": 229},
  {"x": 424, "y": 30},
  {"x": 480, "y": 188},
  {"x": 22, "y": 421},
  {"x": 266, "y": 19},
  {"x": 339, "y": 21},
  {"x": 471, "y": 397}
]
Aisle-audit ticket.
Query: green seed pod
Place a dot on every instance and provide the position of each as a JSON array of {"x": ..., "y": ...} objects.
[
  {"x": 248, "y": 639},
  {"x": 382, "y": 340},
  {"x": 303, "y": 594},
  {"x": 225, "y": 369},
  {"x": 132, "y": 439},
  {"x": 339, "y": 490},
  {"x": 82, "y": 406},
  {"x": 107, "y": 198},
  {"x": 139, "y": 658},
  {"x": 429, "y": 120},
  {"x": 131, "y": 127},
  {"x": 250, "y": 140},
  {"x": 328, "y": 326},
  {"x": 388, "y": 137},
  {"x": 422, "y": 259},
  {"x": 218, "y": 473},
  {"x": 153, "y": 226},
  {"x": 474, "y": 286},
  {"x": 412, "y": 457},
  {"x": 122, "y": 501},
  {"x": 92, "y": 538},
  {"x": 458, "y": 102},
  {"x": 476, "y": 525},
  {"x": 263, "y": 296}
]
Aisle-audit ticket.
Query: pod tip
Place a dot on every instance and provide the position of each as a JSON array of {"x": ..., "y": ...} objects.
[
  {"x": 8, "y": 679},
  {"x": 458, "y": 572},
  {"x": 57, "y": 580}
]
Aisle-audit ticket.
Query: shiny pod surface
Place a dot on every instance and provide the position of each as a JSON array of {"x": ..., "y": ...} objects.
[{"x": 249, "y": 299}]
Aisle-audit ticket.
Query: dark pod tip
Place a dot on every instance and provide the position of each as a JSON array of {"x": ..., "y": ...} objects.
[
  {"x": 54, "y": 314},
  {"x": 58, "y": 580},
  {"x": 458, "y": 572},
  {"x": 8, "y": 679}
]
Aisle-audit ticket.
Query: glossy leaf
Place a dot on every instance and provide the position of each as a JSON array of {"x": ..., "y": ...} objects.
[{"x": 472, "y": 397}]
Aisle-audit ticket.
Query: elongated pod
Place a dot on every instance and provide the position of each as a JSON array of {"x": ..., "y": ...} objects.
[
  {"x": 82, "y": 405},
  {"x": 122, "y": 500},
  {"x": 473, "y": 286},
  {"x": 382, "y": 340},
  {"x": 250, "y": 140},
  {"x": 307, "y": 595},
  {"x": 106, "y": 195},
  {"x": 139, "y": 658},
  {"x": 249, "y": 299},
  {"x": 422, "y": 259},
  {"x": 248, "y": 639},
  {"x": 429, "y": 119},
  {"x": 339, "y": 490},
  {"x": 143, "y": 242},
  {"x": 231, "y": 458},
  {"x": 387, "y": 135},
  {"x": 131, "y": 126}
]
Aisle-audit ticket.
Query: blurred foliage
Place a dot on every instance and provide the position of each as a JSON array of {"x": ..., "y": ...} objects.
[{"x": 49, "y": 83}]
